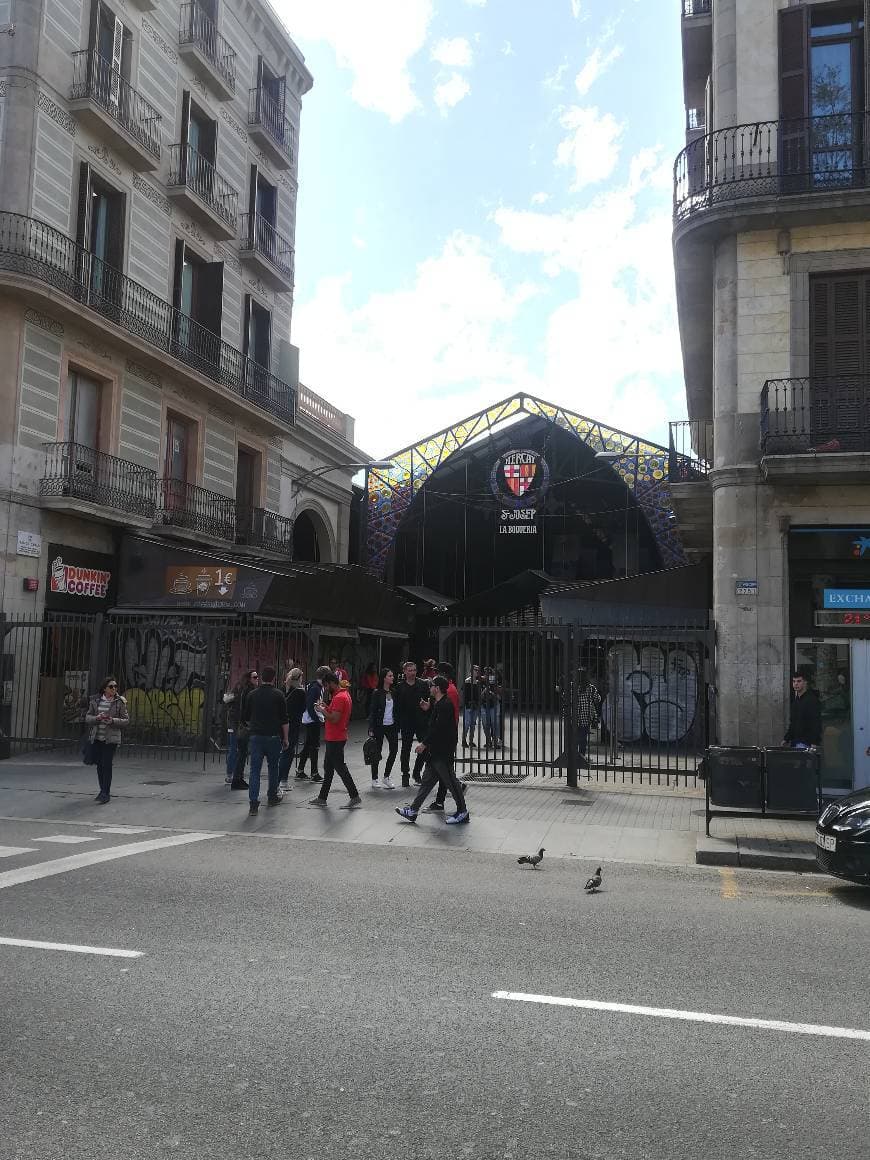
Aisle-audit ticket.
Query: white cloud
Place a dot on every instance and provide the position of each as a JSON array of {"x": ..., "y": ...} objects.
[
  {"x": 591, "y": 147},
  {"x": 507, "y": 49},
  {"x": 595, "y": 64},
  {"x": 408, "y": 362},
  {"x": 376, "y": 41},
  {"x": 476, "y": 3},
  {"x": 575, "y": 8},
  {"x": 455, "y": 53},
  {"x": 555, "y": 81},
  {"x": 450, "y": 92},
  {"x": 540, "y": 198}
]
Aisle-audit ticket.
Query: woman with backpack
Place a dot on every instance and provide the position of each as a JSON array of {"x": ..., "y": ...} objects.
[
  {"x": 107, "y": 715},
  {"x": 383, "y": 724}
]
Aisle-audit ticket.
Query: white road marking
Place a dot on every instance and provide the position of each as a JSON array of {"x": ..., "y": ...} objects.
[
  {"x": 11, "y": 851},
  {"x": 66, "y": 839},
  {"x": 125, "y": 829},
  {"x": 92, "y": 857},
  {"x": 688, "y": 1016},
  {"x": 112, "y": 952}
]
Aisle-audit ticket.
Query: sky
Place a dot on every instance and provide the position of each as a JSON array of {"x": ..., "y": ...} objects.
[{"x": 485, "y": 207}]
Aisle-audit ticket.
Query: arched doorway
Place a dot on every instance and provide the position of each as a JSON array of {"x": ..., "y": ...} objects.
[{"x": 311, "y": 539}]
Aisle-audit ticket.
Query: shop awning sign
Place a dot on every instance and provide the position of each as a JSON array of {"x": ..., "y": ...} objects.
[{"x": 848, "y": 598}]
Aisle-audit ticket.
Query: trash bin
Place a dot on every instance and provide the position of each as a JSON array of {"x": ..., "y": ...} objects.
[
  {"x": 734, "y": 777},
  {"x": 791, "y": 780}
]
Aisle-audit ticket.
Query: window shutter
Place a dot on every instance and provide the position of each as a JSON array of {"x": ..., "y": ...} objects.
[
  {"x": 793, "y": 98},
  {"x": 176, "y": 281},
  {"x": 246, "y": 333},
  {"x": 83, "y": 221}
]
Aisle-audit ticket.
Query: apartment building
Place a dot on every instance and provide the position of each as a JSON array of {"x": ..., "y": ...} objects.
[
  {"x": 148, "y": 386},
  {"x": 772, "y": 257}
]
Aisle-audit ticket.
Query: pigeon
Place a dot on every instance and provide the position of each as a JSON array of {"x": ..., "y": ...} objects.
[
  {"x": 594, "y": 882},
  {"x": 531, "y": 859}
]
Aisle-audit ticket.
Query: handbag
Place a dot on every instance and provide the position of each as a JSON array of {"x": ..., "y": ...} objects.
[
  {"x": 371, "y": 750},
  {"x": 88, "y": 755}
]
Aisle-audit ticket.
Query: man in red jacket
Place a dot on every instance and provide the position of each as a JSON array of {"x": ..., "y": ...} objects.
[{"x": 337, "y": 715}]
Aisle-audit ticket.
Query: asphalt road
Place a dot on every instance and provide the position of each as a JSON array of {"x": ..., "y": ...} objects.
[{"x": 306, "y": 999}]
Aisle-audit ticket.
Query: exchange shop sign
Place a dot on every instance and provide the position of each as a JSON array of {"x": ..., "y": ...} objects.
[{"x": 519, "y": 481}]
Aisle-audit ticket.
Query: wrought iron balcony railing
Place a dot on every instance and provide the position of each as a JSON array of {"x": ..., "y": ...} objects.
[
  {"x": 772, "y": 159},
  {"x": 196, "y": 27},
  {"x": 815, "y": 414},
  {"x": 189, "y": 168},
  {"x": 75, "y": 471},
  {"x": 264, "y": 110},
  {"x": 31, "y": 247},
  {"x": 259, "y": 528},
  {"x": 261, "y": 236},
  {"x": 690, "y": 450},
  {"x": 184, "y": 505},
  {"x": 94, "y": 78},
  {"x": 696, "y": 7}
]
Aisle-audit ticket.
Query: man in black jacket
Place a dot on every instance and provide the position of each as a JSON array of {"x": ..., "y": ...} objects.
[
  {"x": 266, "y": 711},
  {"x": 439, "y": 750},
  {"x": 411, "y": 719},
  {"x": 805, "y": 716}
]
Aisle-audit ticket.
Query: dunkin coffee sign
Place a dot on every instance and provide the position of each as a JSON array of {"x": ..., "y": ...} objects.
[{"x": 74, "y": 580}]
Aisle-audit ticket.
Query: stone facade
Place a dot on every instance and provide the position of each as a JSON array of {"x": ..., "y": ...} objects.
[
  {"x": 58, "y": 317},
  {"x": 744, "y": 259}
]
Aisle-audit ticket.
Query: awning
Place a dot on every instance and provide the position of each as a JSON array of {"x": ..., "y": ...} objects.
[
  {"x": 383, "y": 632},
  {"x": 335, "y": 630}
]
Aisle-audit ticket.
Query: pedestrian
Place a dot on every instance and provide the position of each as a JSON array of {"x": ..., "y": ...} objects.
[
  {"x": 267, "y": 720},
  {"x": 446, "y": 670},
  {"x": 412, "y": 701},
  {"x": 243, "y": 733},
  {"x": 470, "y": 706},
  {"x": 294, "y": 695},
  {"x": 588, "y": 714},
  {"x": 233, "y": 701},
  {"x": 490, "y": 707},
  {"x": 383, "y": 726},
  {"x": 439, "y": 749},
  {"x": 337, "y": 714},
  {"x": 430, "y": 670},
  {"x": 805, "y": 715},
  {"x": 337, "y": 667},
  {"x": 312, "y": 720},
  {"x": 107, "y": 715}
]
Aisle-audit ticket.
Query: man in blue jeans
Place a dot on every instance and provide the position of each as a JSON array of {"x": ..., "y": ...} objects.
[{"x": 267, "y": 720}]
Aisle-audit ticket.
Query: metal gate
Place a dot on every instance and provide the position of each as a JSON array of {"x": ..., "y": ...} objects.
[
  {"x": 172, "y": 669},
  {"x": 527, "y": 710}
]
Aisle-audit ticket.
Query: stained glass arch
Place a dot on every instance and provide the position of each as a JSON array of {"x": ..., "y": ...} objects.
[{"x": 641, "y": 465}]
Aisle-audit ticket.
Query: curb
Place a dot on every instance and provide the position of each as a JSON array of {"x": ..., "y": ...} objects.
[{"x": 756, "y": 854}]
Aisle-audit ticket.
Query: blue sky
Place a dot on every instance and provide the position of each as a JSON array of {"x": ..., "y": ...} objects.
[{"x": 484, "y": 207}]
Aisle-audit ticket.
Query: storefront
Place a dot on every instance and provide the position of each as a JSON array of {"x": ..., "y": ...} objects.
[{"x": 829, "y": 619}]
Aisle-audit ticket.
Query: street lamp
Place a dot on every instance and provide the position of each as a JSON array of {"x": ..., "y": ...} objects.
[{"x": 297, "y": 485}]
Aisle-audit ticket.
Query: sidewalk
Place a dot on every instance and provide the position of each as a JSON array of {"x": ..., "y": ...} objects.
[{"x": 596, "y": 823}]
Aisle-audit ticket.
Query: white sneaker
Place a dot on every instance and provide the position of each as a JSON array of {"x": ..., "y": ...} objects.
[
  {"x": 387, "y": 784},
  {"x": 376, "y": 783}
]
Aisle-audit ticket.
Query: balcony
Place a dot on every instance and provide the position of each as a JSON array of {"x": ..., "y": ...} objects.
[
  {"x": 79, "y": 479},
  {"x": 690, "y": 460},
  {"x": 108, "y": 104},
  {"x": 313, "y": 406},
  {"x": 692, "y": 8},
  {"x": 206, "y": 51},
  {"x": 35, "y": 250},
  {"x": 258, "y": 528},
  {"x": 197, "y": 187},
  {"x": 186, "y": 507},
  {"x": 770, "y": 160},
  {"x": 270, "y": 129},
  {"x": 816, "y": 429},
  {"x": 269, "y": 252}
]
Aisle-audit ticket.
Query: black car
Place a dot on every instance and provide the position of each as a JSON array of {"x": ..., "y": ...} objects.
[{"x": 843, "y": 838}]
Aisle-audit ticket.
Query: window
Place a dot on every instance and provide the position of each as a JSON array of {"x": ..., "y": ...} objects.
[
  {"x": 198, "y": 300},
  {"x": 100, "y": 232},
  {"x": 247, "y": 491},
  {"x": 838, "y": 406},
  {"x": 821, "y": 53},
  {"x": 112, "y": 42},
  {"x": 258, "y": 332},
  {"x": 82, "y": 420},
  {"x": 199, "y": 148}
]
